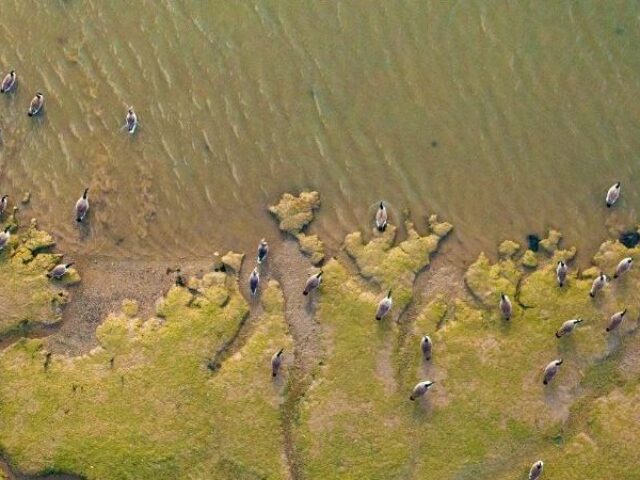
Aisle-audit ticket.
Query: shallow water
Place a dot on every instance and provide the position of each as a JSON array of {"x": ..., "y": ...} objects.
[{"x": 505, "y": 118}]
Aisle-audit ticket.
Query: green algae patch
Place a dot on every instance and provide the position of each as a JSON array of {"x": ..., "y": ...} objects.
[
  {"x": 529, "y": 259},
  {"x": 233, "y": 260},
  {"x": 440, "y": 229},
  {"x": 609, "y": 255},
  {"x": 311, "y": 246},
  {"x": 604, "y": 444},
  {"x": 130, "y": 308},
  {"x": 27, "y": 297},
  {"x": 487, "y": 281},
  {"x": 551, "y": 247},
  {"x": 598, "y": 441},
  {"x": 565, "y": 255},
  {"x": 430, "y": 319},
  {"x": 508, "y": 249},
  {"x": 396, "y": 267},
  {"x": 432, "y": 316},
  {"x": 294, "y": 214},
  {"x": 35, "y": 239},
  {"x": 247, "y": 423},
  {"x": 143, "y": 404},
  {"x": 550, "y": 244}
]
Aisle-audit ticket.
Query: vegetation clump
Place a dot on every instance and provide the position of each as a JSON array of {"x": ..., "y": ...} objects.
[
  {"x": 396, "y": 266},
  {"x": 27, "y": 297},
  {"x": 294, "y": 214}
]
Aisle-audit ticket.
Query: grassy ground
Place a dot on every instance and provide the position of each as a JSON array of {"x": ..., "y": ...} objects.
[
  {"x": 488, "y": 416},
  {"x": 294, "y": 214},
  {"x": 28, "y": 298},
  {"x": 146, "y": 404}
]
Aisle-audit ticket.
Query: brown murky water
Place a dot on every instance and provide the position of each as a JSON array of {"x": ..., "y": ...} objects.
[{"x": 504, "y": 117}]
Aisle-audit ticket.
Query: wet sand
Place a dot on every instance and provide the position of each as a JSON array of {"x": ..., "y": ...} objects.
[{"x": 105, "y": 284}]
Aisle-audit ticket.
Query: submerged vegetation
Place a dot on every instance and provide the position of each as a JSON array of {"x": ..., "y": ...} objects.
[{"x": 184, "y": 395}]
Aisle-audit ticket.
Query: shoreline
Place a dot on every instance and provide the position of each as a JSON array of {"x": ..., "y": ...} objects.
[{"x": 431, "y": 294}]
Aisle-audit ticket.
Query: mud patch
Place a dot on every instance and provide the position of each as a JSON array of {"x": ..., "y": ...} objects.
[
  {"x": 291, "y": 269},
  {"x": 106, "y": 283}
]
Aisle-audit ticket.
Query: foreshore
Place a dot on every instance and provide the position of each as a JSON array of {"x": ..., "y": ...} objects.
[{"x": 144, "y": 378}]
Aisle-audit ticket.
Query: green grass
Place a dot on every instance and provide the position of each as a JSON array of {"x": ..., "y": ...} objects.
[
  {"x": 144, "y": 404},
  {"x": 294, "y": 214},
  {"x": 489, "y": 415},
  {"x": 27, "y": 297},
  {"x": 396, "y": 266}
]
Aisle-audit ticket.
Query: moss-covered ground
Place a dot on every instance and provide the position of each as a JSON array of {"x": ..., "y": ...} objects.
[
  {"x": 28, "y": 298},
  {"x": 145, "y": 404},
  {"x": 489, "y": 416},
  {"x": 394, "y": 267},
  {"x": 148, "y": 402},
  {"x": 294, "y": 214}
]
